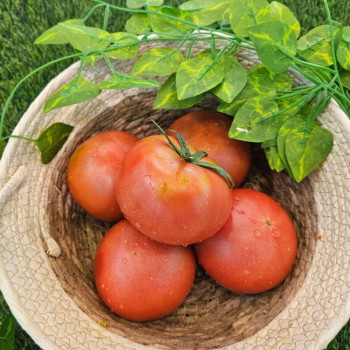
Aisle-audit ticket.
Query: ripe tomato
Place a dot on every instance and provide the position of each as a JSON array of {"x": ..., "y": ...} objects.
[
  {"x": 92, "y": 171},
  {"x": 139, "y": 278},
  {"x": 255, "y": 249},
  {"x": 168, "y": 199},
  {"x": 208, "y": 131}
]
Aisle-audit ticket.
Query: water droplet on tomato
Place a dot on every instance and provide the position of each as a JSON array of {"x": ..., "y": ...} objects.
[
  {"x": 237, "y": 198},
  {"x": 240, "y": 212},
  {"x": 276, "y": 234},
  {"x": 246, "y": 272},
  {"x": 121, "y": 306},
  {"x": 184, "y": 226},
  {"x": 137, "y": 224},
  {"x": 185, "y": 245},
  {"x": 124, "y": 260},
  {"x": 257, "y": 234}
]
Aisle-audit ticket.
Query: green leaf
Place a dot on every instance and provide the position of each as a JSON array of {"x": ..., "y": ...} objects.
[
  {"x": 316, "y": 45},
  {"x": 273, "y": 158},
  {"x": 52, "y": 140},
  {"x": 306, "y": 147},
  {"x": 259, "y": 82},
  {"x": 271, "y": 40},
  {"x": 84, "y": 38},
  {"x": 255, "y": 120},
  {"x": 76, "y": 91},
  {"x": 137, "y": 24},
  {"x": 167, "y": 96},
  {"x": 125, "y": 82},
  {"x": 283, "y": 14},
  {"x": 135, "y": 4},
  {"x": 159, "y": 61},
  {"x": 247, "y": 13},
  {"x": 55, "y": 35},
  {"x": 343, "y": 51},
  {"x": 198, "y": 75},
  {"x": 173, "y": 24},
  {"x": 345, "y": 78},
  {"x": 124, "y": 53},
  {"x": 287, "y": 127},
  {"x": 7, "y": 333},
  {"x": 198, "y": 4},
  {"x": 210, "y": 14},
  {"x": 235, "y": 78}
]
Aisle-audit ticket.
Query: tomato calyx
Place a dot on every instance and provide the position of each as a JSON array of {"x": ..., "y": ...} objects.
[{"x": 194, "y": 158}]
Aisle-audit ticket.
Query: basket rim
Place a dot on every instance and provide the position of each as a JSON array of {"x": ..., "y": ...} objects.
[{"x": 9, "y": 293}]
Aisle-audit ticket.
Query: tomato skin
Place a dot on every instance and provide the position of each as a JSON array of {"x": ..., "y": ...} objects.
[
  {"x": 208, "y": 131},
  {"x": 168, "y": 199},
  {"x": 141, "y": 279},
  {"x": 255, "y": 249},
  {"x": 92, "y": 172}
]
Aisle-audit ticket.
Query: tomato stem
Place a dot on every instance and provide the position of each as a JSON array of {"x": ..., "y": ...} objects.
[{"x": 194, "y": 158}]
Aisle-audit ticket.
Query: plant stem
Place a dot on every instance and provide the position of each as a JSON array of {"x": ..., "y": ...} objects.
[{"x": 46, "y": 65}]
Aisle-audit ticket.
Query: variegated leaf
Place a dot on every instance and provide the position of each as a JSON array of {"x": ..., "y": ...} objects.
[
  {"x": 52, "y": 139},
  {"x": 135, "y": 4},
  {"x": 273, "y": 158},
  {"x": 316, "y": 45},
  {"x": 167, "y": 96},
  {"x": 121, "y": 39},
  {"x": 283, "y": 14},
  {"x": 76, "y": 91},
  {"x": 210, "y": 14},
  {"x": 272, "y": 40},
  {"x": 255, "y": 121},
  {"x": 121, "y": 82},
  {"x": 55, "y": 35},
  {"x": 173, "y": 23},
  {"x": 159, "y": 61},
  {"x": 306, "y": 147},
  {"x": 198, "y": 75},
  {"x": 345, "y": 78},
  {"x": 137, "y": 24},
  {"x": 343, "y": 51},
  {"x": 84, "y": 38},
  {"x": 259, "y": 82},
  {"x": 247, "y": 13},
  {"x": 234, "y": 80}
]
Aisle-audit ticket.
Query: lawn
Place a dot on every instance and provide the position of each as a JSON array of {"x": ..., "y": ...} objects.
[{"x": 21, "y": 21}]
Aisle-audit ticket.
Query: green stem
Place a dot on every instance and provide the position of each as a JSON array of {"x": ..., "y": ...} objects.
[
  {"x": 105, "y": 19},
  {"x": 194, "y": 158},
  {"x": 336, "y": 70},
  {"x": 8, "y": 101}
]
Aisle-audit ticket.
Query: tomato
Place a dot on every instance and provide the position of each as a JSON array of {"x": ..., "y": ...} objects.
[
  {"x": 141, "y": 279},
  {"x": 168, "y": 199},
  {"x": 92, "y": 172},
  {"x": 255, "y": 249},
  {"x": 208, "y": 131}
]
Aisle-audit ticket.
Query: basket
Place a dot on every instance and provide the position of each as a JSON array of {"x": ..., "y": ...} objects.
[{"x": 47, "y": 242}]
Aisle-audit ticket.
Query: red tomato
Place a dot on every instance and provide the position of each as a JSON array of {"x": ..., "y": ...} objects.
[
  {"x": 92, "y": 171},
  {"x": 208, "y": 131},
  {"x": 141, "y": 279},
  {"x": 255, "y": 249},
  {"x": 168, "y": 199}
]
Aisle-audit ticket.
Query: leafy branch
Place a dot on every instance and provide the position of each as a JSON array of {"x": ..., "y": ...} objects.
[{"x": 267, "y": 109}]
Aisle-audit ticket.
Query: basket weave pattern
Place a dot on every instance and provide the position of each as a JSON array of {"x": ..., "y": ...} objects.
[{"x": 47, "y": 243}]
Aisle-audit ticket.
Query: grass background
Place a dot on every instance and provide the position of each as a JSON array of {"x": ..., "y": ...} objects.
[{"x": 21, "y": 21}]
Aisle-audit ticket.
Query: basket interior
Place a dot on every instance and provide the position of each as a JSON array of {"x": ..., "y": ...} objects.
[{"x": 211, "y": 316}]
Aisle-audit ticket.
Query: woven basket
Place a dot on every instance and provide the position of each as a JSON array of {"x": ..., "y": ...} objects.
[{"x": 47, "y": 242}]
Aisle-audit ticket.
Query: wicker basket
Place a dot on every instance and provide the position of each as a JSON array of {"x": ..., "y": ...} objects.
[{"x": 47, "y": 243}]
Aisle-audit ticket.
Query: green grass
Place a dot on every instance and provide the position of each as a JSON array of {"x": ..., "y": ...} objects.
[{"x": 21, "y": 21}]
